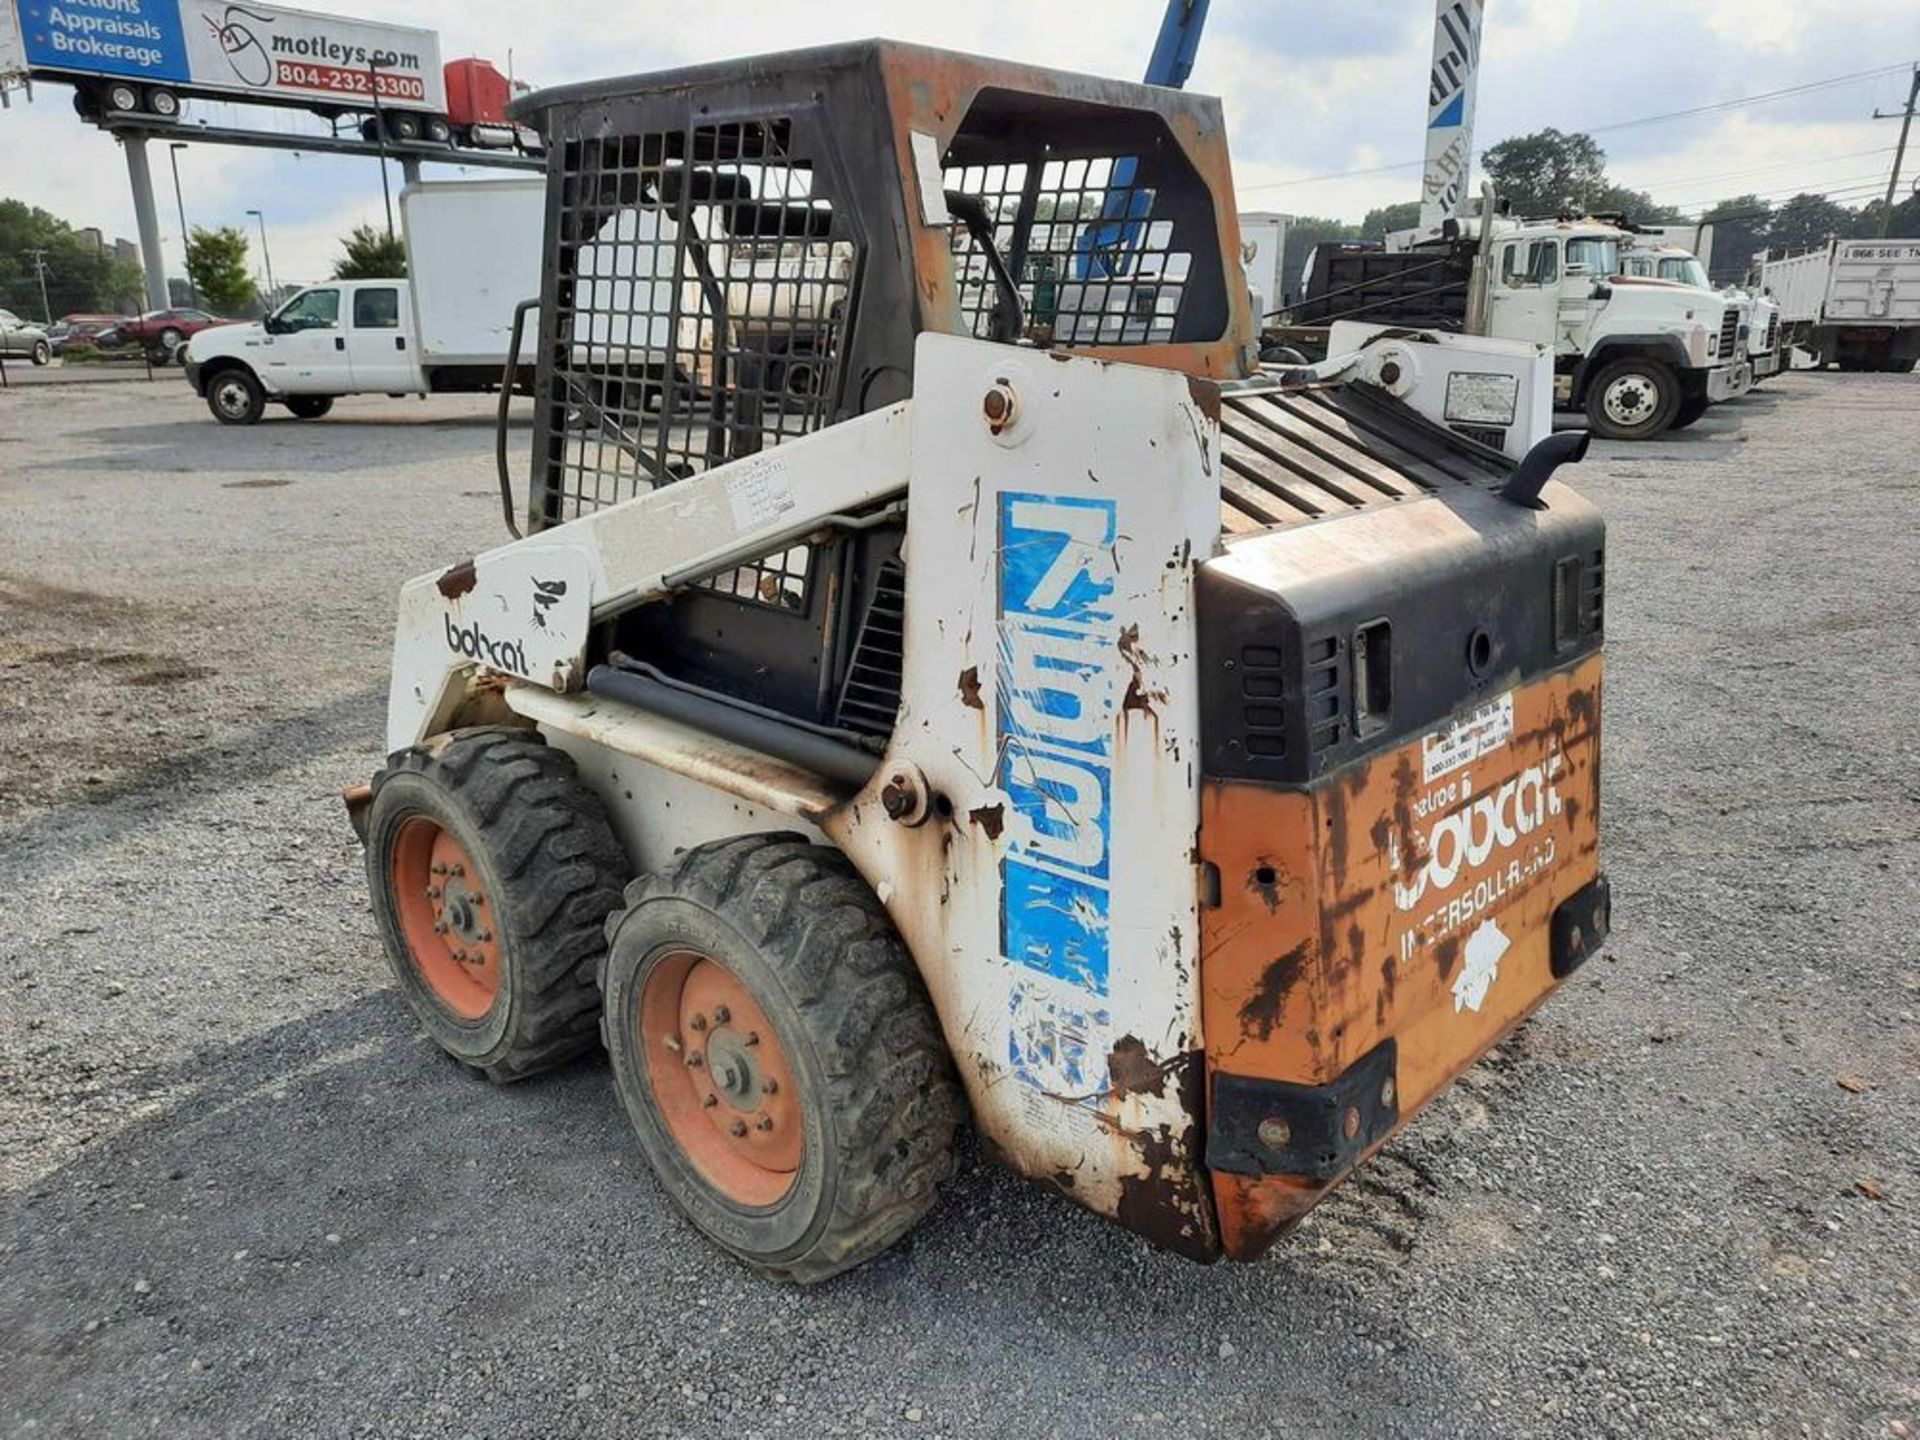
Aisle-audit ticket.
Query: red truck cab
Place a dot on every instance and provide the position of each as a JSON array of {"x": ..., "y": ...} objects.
[{"x": 477, "y": 98}]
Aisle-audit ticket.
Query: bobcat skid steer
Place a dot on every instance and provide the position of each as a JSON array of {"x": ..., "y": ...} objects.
[{"x": 942, "y": 675}]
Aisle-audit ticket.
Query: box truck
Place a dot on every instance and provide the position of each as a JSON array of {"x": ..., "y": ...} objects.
[{"x": 473, "y": 254}]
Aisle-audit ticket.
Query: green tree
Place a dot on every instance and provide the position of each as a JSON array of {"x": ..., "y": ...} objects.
[
  {"x": 1542, "y": 173},
  {"x": 1808, "y": 220},
  {"x": 370, "y": 254},
  {"x": 217, "y": 265},
  {"x": 1386, "y": 218},
  {"x": 81, "y": 274}
]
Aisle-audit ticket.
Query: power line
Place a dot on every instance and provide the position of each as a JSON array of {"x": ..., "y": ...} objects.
[
  {"x": 1716, "y": 106},
  {"x": 1762, "y": 169}
]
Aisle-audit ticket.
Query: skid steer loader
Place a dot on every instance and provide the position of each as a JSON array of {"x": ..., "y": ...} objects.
[{"x": 1037, "y": 714}]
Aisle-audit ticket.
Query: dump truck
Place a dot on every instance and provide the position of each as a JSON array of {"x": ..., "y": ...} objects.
[
  {"x": 1850, "y": 303},
  {"x": 1176, "y": 769},
  {"x": 1637, "y": 359}
]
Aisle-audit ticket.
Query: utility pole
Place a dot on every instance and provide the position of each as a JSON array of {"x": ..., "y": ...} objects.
[
  {"x": 380, "y": 130},
  {"x": 186, "y": 244},
  {"x": 1900, "y": 150},
  {"x": 266, "y": 255},
  {"x": 39, "y": 258}
]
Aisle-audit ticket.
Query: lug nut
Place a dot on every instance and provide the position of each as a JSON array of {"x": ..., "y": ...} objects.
[
  {"x": 753, "y": 1037},
  {"x": 672, "y": 1043},
  {"x": 433, "y": 892},
  {"x": 769, "y": 1086},
  {"x": 695, "y": 1059},
  {"x": 721, "y": 1014},
  {"x": 439, "y": 927},
  {"x": 709, "y": 1102},
  {"x": 764, "y": 1123},
  {"x": 699, "y": 1022},
  {"x": 457, "y": 871},
  {"x": 737, "y": 1129},
  {"x": 439, "y": 869}
]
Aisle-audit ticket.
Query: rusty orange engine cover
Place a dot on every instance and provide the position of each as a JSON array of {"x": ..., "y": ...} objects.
[{"x": 1408, "y": 896}]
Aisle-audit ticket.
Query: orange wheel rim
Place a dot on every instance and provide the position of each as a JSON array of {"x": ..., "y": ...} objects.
[
  {"x": 446, "y": 917},
  {"x": 720, "y": 1077}
]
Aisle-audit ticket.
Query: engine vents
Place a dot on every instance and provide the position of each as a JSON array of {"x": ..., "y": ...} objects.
[{"x": 870, "y": 697}]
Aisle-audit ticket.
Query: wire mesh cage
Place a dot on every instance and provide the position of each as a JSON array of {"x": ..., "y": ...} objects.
[{"x": 703, "y": 282}]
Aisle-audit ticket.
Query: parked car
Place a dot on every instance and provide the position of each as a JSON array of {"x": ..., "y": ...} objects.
[
  {"x": 164, "y": 333},
  {"x": 23, "y": 337},
  {"x": 81, "y": 330}
]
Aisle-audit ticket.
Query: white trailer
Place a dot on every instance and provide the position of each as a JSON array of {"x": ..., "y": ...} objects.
[
  {"x": 1854, "y": 303},
  {"x": 473, "y": 254},
  {"x": 144, "y": 56}
]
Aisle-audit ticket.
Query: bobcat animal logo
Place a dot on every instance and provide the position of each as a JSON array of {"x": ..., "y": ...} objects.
[
  {"x": 546, "y": 594},
  {"x": 245, "y": 54}
]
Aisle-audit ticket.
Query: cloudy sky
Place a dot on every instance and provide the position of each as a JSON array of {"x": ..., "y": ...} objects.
[{"x": 1311, "y": 90}]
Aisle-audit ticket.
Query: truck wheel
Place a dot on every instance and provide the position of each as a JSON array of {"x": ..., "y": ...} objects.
[
  {"x": 121, "y": 97},
  {"x": 309, "y": 407},
  {"x": 438, "y": 130},
  {"x": 403, "y": 126},
  {"x": 777, "y": 1053},
  {"x": 235, "y": 397},
  {"x": 493, "y": 871},
  {"x": 42, "y": 352},
  {"x": 1632, "y": 399},
  {"x": 163, "y": 102},
  {"x": 1688, "y": 411}
]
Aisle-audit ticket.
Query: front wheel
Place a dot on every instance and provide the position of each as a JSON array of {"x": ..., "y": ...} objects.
[
  {"x": 309, "y": 407},
  {"x": 235, "y": 398},
  {"x": 493, "y": 871},
  {"x": 42, "y": 353},
  {"x": 778, "y": 1055},
  {"x": 170, "y": 340},
  {"x": 1690, "y": 410},
  {"x": 1633, "y": 399}
]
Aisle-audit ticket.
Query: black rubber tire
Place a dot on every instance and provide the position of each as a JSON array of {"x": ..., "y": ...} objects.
[
  {"x": 170, "y": 342},
  {"x": 309, "y": 407},
  {"x": 403, "y": 126},
  {"x": 551, "y": 867},
  {"x": 438, "y": 130},
  {"x": 1901, "y": 367},
  {"x": 121, "y": 97},
  {"x": 808, "y": 939},
  {"x": 1658, "y": 375},
  {"x": 42, "y": 353},
  {"x": 223, "y": 397},
  {"x": 1690, "y": 410},
  {"x": 164, "y": 102}
]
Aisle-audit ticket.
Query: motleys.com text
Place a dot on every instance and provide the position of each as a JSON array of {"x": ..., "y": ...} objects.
[{"x": 335, "y": 52}]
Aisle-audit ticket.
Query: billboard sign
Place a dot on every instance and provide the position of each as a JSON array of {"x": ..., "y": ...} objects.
[{"x": 264, "y": 53}]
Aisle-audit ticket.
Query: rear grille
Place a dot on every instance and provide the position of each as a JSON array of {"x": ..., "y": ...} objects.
[
  {"x": 1729, "y": 332},
  {"x": 1292, "y": 456},
  {"x": 1493, "y": 437},
  {"x": 1326, "y": 695},
  {"x": 870, "y": 699},
  {"x": 1262, "y": 683}
]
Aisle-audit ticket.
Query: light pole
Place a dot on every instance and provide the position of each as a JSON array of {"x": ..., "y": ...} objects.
[
  {"x": 380, "y": 133},
  {"x": 186, "y": 244},
  {"x": 265, "y": 255}
]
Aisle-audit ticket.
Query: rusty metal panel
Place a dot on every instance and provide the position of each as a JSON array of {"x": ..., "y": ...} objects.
[{"x": 1408, "y": 896}]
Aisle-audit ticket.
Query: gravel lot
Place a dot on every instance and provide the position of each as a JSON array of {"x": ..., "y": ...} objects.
[{"x": 240, "y": 1195}]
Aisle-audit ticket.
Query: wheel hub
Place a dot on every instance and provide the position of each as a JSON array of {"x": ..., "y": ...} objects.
[
  {"x": 724, "y": 1085},
  {"x": 446, "y": 918},
  {"x": 1629, "y": 400}
]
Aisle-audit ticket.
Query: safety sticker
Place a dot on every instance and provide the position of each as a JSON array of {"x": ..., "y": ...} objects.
[
  {"x": 1468, "y": 738},
  {"x": 760, "y": 495}
]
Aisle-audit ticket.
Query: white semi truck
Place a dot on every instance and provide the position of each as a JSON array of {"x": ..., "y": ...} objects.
[
  {"x": 473, "y": 254},
  {"x": 1637, "y": 358},
  {"x": 1652, "y": 258},
  {"x": 1851, "y": 303}
]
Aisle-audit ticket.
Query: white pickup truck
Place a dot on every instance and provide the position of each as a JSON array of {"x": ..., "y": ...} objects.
[{"x": 473, "y": 254}]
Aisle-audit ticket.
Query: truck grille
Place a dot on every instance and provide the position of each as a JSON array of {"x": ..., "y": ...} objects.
[
  {"x": 1729, "y": 333},
  {"x": 1773, "y": 334}
]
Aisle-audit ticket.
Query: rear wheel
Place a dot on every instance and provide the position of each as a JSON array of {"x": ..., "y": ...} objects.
[
  {"x": 778, "y": 1055},
  {"x": 309, "y": 407},
  {"x": 493, "y": 871},
  {"x": 1632, "y": 399},
  {"x": 235, "y": 397},
  {"x": 122, "y": 97},
  {"x": 403, "y": 126},
  {"x": 163, "y": 102}
]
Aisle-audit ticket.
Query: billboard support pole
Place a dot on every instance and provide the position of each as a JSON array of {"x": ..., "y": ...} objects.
[{"x": 147, "y": 218}]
